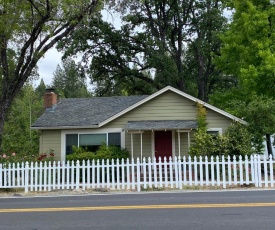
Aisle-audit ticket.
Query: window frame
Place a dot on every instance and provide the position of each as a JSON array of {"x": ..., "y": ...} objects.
[
  {"x": 219, "y": 130},
  {"x": 81, "y": 131}
]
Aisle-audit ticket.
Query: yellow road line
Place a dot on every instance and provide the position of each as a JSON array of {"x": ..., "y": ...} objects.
[{"x": 102, "y": 208}]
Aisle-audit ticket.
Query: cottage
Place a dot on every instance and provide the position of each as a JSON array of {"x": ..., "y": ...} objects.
[{"x": 162, "y": 124}]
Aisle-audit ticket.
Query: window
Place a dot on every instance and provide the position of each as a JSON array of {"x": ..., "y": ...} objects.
[
  {"x": 71, "y": 140},
  {"x": 114, "y": 139},
  {"x": 92, "y": 141},
  {"x": 213, "y": 132}
]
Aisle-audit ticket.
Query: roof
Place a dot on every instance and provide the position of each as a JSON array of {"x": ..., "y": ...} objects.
[
  {"x": 161, "y": 125},
  {"x": 98, "y": 111},
  {"x": 88, "y": 112}
]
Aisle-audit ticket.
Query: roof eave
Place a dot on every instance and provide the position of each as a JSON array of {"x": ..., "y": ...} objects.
[{"x": 63, "y": 127}]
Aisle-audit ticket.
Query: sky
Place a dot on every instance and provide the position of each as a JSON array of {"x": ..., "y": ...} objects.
[{"x": 47, "y": 65}]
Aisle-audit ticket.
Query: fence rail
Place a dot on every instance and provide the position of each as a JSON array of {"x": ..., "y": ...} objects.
[{"x": 137, "y": 175}]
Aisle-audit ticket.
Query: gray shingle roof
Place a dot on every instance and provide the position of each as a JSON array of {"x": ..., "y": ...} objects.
[
  {"x": 161, "y": 124},
  {"x": 85, "y": 111}
]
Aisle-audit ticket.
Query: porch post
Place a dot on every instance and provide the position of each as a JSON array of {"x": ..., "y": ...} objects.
[
  {"x": 141, "y": 147},
  {"x": 179, "y": 141},
  {"x": 153, "y": 144},
  {"x": 132, "y": 146},
  {"x": 188, "y": 140}
]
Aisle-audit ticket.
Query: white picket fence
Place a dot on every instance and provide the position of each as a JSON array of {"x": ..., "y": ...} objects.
[{"x": 135, "y": 175}]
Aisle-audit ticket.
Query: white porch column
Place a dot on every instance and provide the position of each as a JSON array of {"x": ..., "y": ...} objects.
[
  {"x": 141, "y": 147},
  {"x": 179, "y": 141},
  {"x": 189, "y": 140},
  {"x": 132, "y": 146}
]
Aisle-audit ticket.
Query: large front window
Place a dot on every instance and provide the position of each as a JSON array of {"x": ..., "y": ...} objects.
[{"x": 91, "y": 142}]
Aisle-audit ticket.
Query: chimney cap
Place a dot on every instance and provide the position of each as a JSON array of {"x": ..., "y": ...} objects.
[{"x": 49, "y": 90}]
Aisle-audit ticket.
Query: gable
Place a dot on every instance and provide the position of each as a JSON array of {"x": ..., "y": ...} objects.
[
  {"x": 180, "y": 94},
  {"x": 169, "y": 106}
]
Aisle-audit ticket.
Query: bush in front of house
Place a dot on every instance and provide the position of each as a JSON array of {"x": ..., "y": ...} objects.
[
  {"x": 6, "y": 159},
  {"x": 236, "y": 141},
  {"x": 103, "y": 153}
]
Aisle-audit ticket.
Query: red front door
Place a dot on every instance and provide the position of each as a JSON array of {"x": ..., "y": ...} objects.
[{"x": 163, "y": 144}]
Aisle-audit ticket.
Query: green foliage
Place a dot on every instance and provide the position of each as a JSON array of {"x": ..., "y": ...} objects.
[
  {"x": 259, "y": 112},
  {"x": 41, "y": 89},
  {"x": 201, "y": 117},
  {"x": 103, "y": 153},
  {"x": 205, "y": 144},
  {"x": 18, "y": 137},
  {"x": 247, "y": 50},
  {"x": 6, "y": 159},
  {"x": 238, "y": 141},
  {"x": 235, "y": 141},
  {"x": 159, "y": 43},
  {"x": 28, "y": 29},
  {"x": 70, "y": 80}
]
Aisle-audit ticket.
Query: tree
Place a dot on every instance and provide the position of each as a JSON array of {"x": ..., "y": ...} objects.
[
  {"x": 248, "y": 46},
  {"x": 25, "y": 109},
  {"x": 258, "y": 111},
  {"x": 155, "y": 41},
  {"x": 33, "y": 28},
  {"x": 248, "y": 53},
  {"x": 70, "y": 81},
  {"x": 41, "y": 88}
]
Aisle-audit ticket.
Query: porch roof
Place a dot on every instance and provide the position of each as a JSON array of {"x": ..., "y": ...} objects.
[{"x": 161, "y": 125}]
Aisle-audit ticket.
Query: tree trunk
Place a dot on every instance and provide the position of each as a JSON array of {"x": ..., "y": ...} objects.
[
  {"x": 269, "y": 145},
  {"x": 2, "y": 121}
]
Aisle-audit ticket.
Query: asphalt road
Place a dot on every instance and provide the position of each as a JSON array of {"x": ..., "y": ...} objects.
[{"x": 177, "y": 210}]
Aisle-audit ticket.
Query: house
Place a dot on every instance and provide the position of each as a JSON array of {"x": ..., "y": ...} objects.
[{"x": 162, "y": 124}]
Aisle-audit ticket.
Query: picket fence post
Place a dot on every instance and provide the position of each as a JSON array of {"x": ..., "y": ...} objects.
[
  {"x": 1, "y": 172},
  {"x": 150, "y": 172},
  {"x": 138, "y": 175},
  {"x": 180, "y": 173},
  {"x": 256, "y": 176},
  {"x": 271, "y": 171},
  {"x": 206, "y": 171},
  {"x": 26, "y": 176},
  {"x": 77, "y": 175},
  {"x": 223, "y": 173}
]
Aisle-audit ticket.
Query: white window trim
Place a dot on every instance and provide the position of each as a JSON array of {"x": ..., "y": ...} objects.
[
  {"x": 219, "y": 130},
  {"x": 81, "y": 131}
]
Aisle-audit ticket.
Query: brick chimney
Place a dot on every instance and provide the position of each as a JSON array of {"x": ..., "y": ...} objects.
[{"x": 50, "y": 99}]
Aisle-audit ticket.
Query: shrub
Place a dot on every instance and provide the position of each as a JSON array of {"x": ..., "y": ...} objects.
[
  {"x": 235, "y": 141},
  {"x": 103, "y": 153},
  {"x": 238, "y": 141},
  {"x": 18, "y": 158},
  {"x": 205, "y": 144}
]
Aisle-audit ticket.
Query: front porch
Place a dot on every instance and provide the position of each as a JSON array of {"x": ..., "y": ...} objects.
[{"x": 159, "y": 138}]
